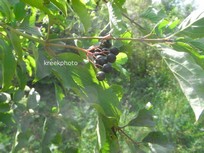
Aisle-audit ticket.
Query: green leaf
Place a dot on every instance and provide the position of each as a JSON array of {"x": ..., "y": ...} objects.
[
  {"x": 101, "y": 133},
  {"x": 19, "y": 11},
  {"x": 33, "y": 99},
  {"x": 6, "y": 118},
  {"x": 4, "y": 107},
  {"x": 144, "y": 118},
  {"x": 121, "y": 58},
  {"x": 43, "y": 67},
  {"x": 4, "y": 97},
  {"x": 153, "y": 14},
  {"x": 189, "y": 75},
  {"x": 5, "y": 8},
  {"x": 193, "y": 25},
  {"x": 115, "y": 17},
  {"x": 81, "y": 11},
  {"x": 8, "y": 66},
  {"x": 156, "y": 137},
  {"x": 16, "y": 43},
  {"x": 61, "y": 5},
  {"x": 198, "y": 43}
]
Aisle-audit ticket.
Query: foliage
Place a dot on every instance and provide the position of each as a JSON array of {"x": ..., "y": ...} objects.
[{"x": 50, "y": 98}]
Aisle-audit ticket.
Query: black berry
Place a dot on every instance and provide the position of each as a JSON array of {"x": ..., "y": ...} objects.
[
  {"x": 100, "y": 75},
  {"x": 111, "y": 58},
  {"x": 114, "y": 50},
  {"x": 100, "y": 59},
  {"x": 107, "y": 68}
]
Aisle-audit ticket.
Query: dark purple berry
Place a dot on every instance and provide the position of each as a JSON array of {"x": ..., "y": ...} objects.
[
  {"x": 100, "y": 59},
  {"x": 111, "y": 58},
  {"x": 114, "y": 50},
  {"x": 100, "y": 75},
  {"x": 107, "y": 68}
]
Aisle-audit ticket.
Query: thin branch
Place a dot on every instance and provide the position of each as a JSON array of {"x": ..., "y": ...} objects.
[
  {"x": 137, "y": 24},
  {"x": 161, "y": 40},
  {"x": 66, "y": 46},
  {"x": 133, "y": 141}
]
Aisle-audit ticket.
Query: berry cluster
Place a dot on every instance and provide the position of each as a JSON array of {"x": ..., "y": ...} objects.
[{"x": 102, "y": 56}]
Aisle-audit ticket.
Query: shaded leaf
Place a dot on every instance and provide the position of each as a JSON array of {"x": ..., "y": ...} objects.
[
  {"x": 33, "y": 99},
  {"x": 189, "y": 75},
  {"x": 16, "y": 43},
  {"x": 5, "y": 8},
  {"x": 156, "y": 137},
  {"x": 144, "y": 118},
  {"x": 8, "y": 67},
  {"x": 19, "y": 11}
]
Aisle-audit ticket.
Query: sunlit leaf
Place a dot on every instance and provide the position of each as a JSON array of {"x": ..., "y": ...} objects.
[
  {"x": 101, "y": 133},
  {"x": 189, "y": 75},
  {"x": 193, "y": 25},
  {"x": 122, "y": 58},
  {"x": 82, "y": 12}
]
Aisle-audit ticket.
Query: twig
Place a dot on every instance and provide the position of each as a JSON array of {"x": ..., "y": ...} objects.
[
  {"x": 137, "y": 24},
  {"x": 133, "y": 141}
]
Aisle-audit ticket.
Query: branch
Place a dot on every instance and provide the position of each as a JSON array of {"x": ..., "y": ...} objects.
[
  {"x": 159, "y": 40},
  {"x": 137, "y": 24},
  {"x": 67, "y": 46},
  {"x": 133, "y": 141}
]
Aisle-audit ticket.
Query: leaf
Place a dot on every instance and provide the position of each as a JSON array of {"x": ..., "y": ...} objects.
[
  {"x": 198, "y": 43},
  {"x": 115, "y": 17},
  {"x": 161, "y": 149},
  {"x": 19, "y": 11},
  {"x": 156, "y": 137},
  {"x": 81, "y": 11},
  {"x": 43, "y": 67},
  {"x": 153, "y": 15},
  {"x": 61, "y": 5},
  {"x": 5, "y": 8},
  {"x": 4, "y": 107},
  {"x": 6, "y": 118},
  {"x": 144, "y": 118},
  {"x": 193, "y": 25},
  {"x": 8, "y": 66},
  {"x": 189, "y": 75},
  {"x": 16, "y": 43},
  {"x": 101, "y": 133},
  {"x": 121, "y": 58},
  {"x": 4, "y": 97},
  {"x": 33, "y": 99}
]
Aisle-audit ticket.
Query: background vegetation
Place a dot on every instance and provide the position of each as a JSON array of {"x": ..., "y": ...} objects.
[{"x": 140, "y": 107}]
